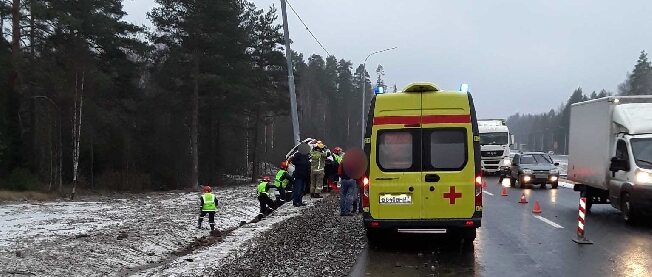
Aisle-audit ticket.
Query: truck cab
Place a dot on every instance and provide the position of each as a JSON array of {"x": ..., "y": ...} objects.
[
  {"x": 495, "y": 142},
  {"x": 610, "y": 154},
  {"x": 630, "y": 183}
]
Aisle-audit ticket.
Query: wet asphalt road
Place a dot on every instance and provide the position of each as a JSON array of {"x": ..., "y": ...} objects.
[{"x": 513, "y": 242}]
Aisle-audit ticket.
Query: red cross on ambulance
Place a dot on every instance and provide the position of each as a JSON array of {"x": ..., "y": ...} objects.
[{"x": 452, "y": 195}]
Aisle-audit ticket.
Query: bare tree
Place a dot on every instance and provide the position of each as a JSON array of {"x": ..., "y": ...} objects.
[{"x": 76, "y": 132}]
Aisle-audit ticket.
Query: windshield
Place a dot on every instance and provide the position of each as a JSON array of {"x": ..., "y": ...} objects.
[
  {"x": 642, "y": 150},
  {"x": 494, "y": 138},
  {"x": 535, "y": 159}
]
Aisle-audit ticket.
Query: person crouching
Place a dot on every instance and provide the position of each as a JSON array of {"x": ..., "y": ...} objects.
[{"x": 266, "y": 203}]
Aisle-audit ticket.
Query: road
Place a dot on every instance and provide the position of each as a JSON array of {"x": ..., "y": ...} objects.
[{"x": 513, "y": 242}]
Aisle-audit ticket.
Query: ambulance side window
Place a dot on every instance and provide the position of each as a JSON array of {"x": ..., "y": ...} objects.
[
  {"x": 447, "y": 148},
  {"x": 395, "y": 150}
]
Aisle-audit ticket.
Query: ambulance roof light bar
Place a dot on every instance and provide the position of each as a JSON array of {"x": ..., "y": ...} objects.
[{"x": 421, "y": 87}]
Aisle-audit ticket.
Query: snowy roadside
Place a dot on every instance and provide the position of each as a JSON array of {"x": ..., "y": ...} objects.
[
  {"x": 105, "y": 237},
  {"x": 200, "y": 262}
]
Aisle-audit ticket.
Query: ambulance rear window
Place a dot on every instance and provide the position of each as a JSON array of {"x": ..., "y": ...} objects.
[
  {"x": 448, "y": 149},
  {"x": 395, "y": 150}
]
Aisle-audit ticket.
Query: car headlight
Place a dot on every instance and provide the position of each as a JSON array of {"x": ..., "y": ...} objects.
[
  {"x": 554, "y": 171},
  {"x": 643, "y": 177},
  {"x": 527, "y": 171}
]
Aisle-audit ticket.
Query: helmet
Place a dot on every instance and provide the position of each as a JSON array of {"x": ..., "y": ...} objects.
[
  {"x": 266, "y": 178},
  {"x": 207, "y": 189},
  {"x": 284, "y": 165},
  {"x": 320, "y": 145},
  {"x": 337, "y": 150}
]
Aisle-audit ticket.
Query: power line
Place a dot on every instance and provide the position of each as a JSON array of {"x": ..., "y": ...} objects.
[{"x": 307, "y": 29}]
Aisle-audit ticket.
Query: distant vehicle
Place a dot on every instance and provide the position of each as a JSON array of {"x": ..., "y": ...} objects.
[
  {"x": 495, "y": 142},
  {"x": 424, "y": 173},
  {"x": 534, "y": 168},
  {"x": 610, "y": 153}
]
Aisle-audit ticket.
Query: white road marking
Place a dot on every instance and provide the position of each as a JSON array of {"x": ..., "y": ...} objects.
[
  {"x": 488, "y": 193},
  {"x": 549, "y": 222}
]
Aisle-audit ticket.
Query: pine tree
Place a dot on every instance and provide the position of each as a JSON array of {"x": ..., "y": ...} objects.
[
  {"x": 347, "y": 107},
  {"x": 639, "y": 82},
  {"x": 380, "y": 73}
]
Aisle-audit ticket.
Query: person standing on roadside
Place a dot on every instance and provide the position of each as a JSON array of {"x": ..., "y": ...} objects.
[
  {"x": 207, "y": 206},
  {"x": 317, "y": 164},
  {"x": 301, "y": 174},
  {"x": 347, "y": 189}
]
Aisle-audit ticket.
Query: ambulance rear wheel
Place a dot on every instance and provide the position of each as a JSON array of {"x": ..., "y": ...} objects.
[
  {"x": 468, "y": 236},
  {"x": 374, "y": 237}
]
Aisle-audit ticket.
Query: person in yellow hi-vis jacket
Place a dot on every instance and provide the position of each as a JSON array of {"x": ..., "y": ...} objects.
[
  {"x": 317, "y": 163},
  {"x": 208, "y": 205},
  {"x": 266, "y": 203}
]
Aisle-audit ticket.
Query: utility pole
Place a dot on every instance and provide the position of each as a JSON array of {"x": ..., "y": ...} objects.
[{"x": 293, "y": 95}]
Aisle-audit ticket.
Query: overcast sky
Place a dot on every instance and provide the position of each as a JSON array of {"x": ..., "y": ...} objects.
[{"x": 517, "y": 56}]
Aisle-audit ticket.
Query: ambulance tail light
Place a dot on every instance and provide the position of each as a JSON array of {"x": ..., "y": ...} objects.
[
  {"x": 478, "y": 190},
  {"x": 365, "y": 192}
]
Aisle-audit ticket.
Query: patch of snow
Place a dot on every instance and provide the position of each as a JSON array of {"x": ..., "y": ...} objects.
[
  {"x": 40, "y": 222},
  {"x": 104, "y": 237},
  {"x": 235, "y": 243}
]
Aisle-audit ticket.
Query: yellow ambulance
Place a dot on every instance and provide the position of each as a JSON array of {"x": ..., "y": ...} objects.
[{"x": 424, "y": 171}]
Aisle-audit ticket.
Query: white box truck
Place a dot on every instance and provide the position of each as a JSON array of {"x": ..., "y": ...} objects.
[
  {"x": 495, "y": 142},
  {"x": 610, "y": 153}
]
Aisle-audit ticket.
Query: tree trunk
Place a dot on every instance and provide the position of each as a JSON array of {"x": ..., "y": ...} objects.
[
  {"x": 247, "y": 143},
  {"x": 51, "y": 174},
  {"x": 194, "y": 132},
  {"x": 15, "y": 29},
  {"x": 32, "y": 36},
  {"x": 92, "y": 161},
  {"x": 77, "y": 124},
  {"x": 254, "y": 162},
  {"x": 60, "y": 150}
]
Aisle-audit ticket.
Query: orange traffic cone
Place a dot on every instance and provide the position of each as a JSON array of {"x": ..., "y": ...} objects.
[
  {"x": 537, "y": 207},
  {"x": 523, "y": 200},
  {"x": 504, "y": 192}
]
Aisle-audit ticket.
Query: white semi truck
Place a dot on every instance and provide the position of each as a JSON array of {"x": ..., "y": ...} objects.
[
  {"x": 495, "y": 142},
  {"x": 610, "y": 153}
]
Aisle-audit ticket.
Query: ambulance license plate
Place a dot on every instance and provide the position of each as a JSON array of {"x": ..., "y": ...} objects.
[{"x": 395, "y": 199}]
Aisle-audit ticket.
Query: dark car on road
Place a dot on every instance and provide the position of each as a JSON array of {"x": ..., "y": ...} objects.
[{"x": 534, "y": 168}]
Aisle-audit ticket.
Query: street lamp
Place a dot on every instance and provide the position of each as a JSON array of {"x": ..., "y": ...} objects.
[
  {"x": 364, "y": 83},
  {"x": 54, "y": 104}
]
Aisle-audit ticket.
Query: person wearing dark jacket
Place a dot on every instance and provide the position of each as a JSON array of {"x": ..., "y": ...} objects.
[{"x": 301, "y": 175}]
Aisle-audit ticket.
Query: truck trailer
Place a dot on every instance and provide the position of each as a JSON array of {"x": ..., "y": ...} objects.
[{"x": 610, "y": 153}]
